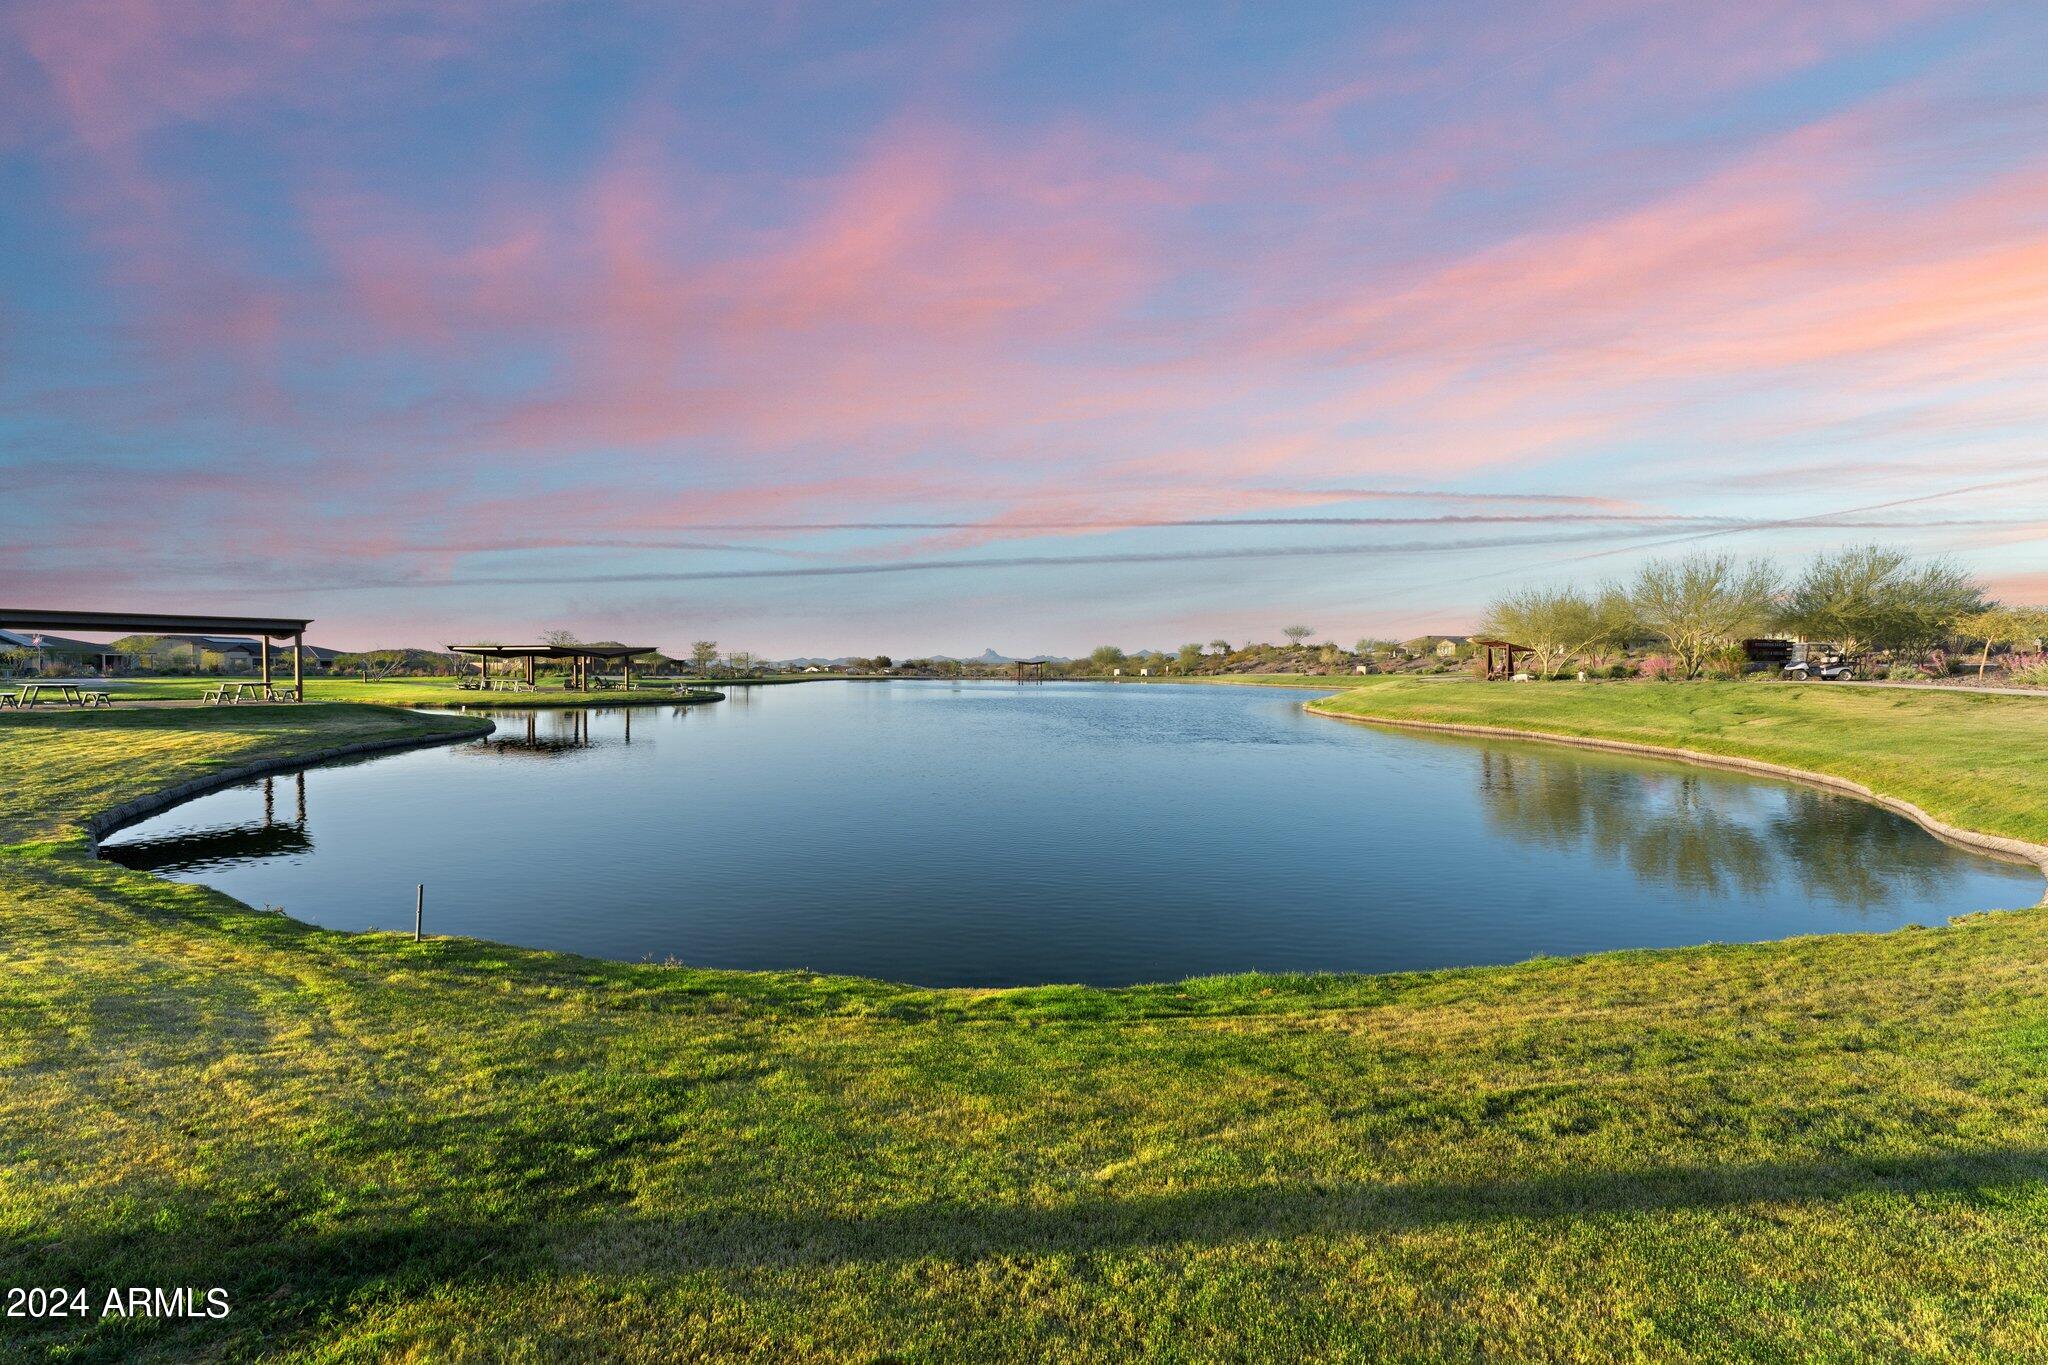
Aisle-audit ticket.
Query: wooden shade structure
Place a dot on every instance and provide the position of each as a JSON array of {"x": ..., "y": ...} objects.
[
  {"x": 579, "y": 657},
  {"x": 264, "y": 628},
  {"x": 1508, "y": 651},
  {"x": 1030, "y": 670}
]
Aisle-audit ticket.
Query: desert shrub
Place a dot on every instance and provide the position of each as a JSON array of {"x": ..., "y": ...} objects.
[
  {"x": 1724, "y": 664},
  {"x": 1936, "y": 664},
  {"x": 1619, "y": 670},
  {"x": 1903, "y": 673},
  {"x": 1658, "y": 668},
  {"x": 2029, "y": 669}
]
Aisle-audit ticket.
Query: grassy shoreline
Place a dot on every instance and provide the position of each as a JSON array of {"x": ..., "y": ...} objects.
[
  {"x": 1820, "y": 1147},
  {"x": 1971, "y": 760},
  {"x": 403, "y": 692}
]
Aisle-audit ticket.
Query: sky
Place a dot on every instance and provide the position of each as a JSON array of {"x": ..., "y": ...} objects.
[{"x": 844, "y": 328}]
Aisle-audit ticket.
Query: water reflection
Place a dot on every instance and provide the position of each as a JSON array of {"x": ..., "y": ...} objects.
[
  {"x": 995, "y": 835},
  {"x": 193, "y": 850},
  {"x": 1710, "y": 838},
  {"x": 551, "y": 734}
]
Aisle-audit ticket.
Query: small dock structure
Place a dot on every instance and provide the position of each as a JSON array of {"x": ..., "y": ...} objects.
[{"x": 1504, "y": 668}]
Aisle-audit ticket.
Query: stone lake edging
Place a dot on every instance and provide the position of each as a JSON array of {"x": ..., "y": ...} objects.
[
  {"x": 1998, "y": 845},
  {"x": 127, "y": 813}
]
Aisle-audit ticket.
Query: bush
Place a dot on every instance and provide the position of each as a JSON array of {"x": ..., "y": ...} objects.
[
  {"x": 1902, "y": 673},
  {"x": 1658, "y": 668},
  {"x": 1725, "y": 664},
  {"x": 2030, "y": 670},
  {"x": 1619, "y": 670}
]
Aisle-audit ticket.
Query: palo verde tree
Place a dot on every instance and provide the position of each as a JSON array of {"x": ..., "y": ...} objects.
[
  {"x": 1219, "y": 647},
  {"x": 1297, "y": 634},
  {"x": 1189, "y": 657},
  {"x": 703, "y": 655},
  {"x": 1701, "y": 604},
  {"x": 1875, "y": 598},
  {"x": 1999, "y": 626},
  {"x": 1555, "y": 625},
  {"x": 1106, "y": 657}
]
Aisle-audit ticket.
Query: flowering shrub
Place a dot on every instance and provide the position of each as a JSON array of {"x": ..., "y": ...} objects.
[
  {"x": 1658, "y": 668},
  {"x": 1935, "y": 665},
  {"x": 2031, "y": 669}
]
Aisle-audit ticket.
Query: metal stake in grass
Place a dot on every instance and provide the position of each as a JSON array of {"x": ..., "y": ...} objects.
[{"x": 419, "y": 909}]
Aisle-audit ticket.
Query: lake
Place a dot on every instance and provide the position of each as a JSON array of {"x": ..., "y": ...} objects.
[{"x": 990, "y": 834}]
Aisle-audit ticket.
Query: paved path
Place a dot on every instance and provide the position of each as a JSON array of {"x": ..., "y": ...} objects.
[{"x": 1985, "y": 690}]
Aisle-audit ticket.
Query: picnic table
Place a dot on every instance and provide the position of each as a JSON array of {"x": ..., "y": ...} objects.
[
  {"x": 67, "y": 694},
  {"x": 54, "y": 694},
  {"x": 234, "y": 693}
]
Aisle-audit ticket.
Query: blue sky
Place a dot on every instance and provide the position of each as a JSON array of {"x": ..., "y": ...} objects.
[{"x": 835, "y": 328}]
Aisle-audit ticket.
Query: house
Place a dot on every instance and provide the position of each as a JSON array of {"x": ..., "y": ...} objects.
[
  {"x": 1447, "y": 646},
  {"x": 224, "y": 653},
  {"x": 232, "y": 653},
  {"x": 39, "y": 649}
]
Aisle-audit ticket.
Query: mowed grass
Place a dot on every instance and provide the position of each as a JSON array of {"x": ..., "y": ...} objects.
[
  {"x": 1822, "y": 1148},
  {"x": 1971, "y": 759}
]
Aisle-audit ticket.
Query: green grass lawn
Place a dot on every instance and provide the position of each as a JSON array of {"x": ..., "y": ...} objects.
[
  {"x": 1972, "y": 759},
  {"x": 1822, "y": 1148}
]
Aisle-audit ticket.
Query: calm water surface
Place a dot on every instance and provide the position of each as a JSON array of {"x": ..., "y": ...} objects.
[{"x": 991, "y": 834}]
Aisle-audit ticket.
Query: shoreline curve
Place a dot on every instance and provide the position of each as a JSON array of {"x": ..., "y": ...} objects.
[
  {"x": 1998, "y": 846},
  {"x": 130, "y": 812}
]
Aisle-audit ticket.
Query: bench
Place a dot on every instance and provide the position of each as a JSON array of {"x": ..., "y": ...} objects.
[
  {"x": 90, "y": 699},
  {"x": 12, "y": 699}
]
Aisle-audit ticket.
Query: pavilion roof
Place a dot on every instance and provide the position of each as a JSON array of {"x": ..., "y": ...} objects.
[
  {"x": 494, "y": 651},
  {"x": 151, "y": 623}
]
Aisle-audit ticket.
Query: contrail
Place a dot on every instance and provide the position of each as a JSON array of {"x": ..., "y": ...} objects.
[
  {"x": 954, "y": 565},
  {"x": 1395, "y": 549},
  {"x": 1828, "y": 520}
]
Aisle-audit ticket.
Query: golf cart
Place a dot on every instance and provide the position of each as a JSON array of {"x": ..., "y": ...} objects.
[{"x": 1818, "y": 667}]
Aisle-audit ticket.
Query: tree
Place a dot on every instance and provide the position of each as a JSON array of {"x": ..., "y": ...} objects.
[
  {"x": 1297, "y": 633},
  {"x": 1554, "y": 625},
  {"x": 374, "y": 664},
  {"x": 703, "y": 654},
  {"x": 740, "y": 661},
  {"x": 1328, "y": 656},
  {"x": 1221, "y": 647},
  {"x": 1871, "y": 598},
  {"x": 1189, "y": 657},
  {"x": 1702, "y": 604},
  {"x": 1106, "y": 657},
  {"x": 2011, "y": 627},
  {"x": 559, "y": 637}
]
